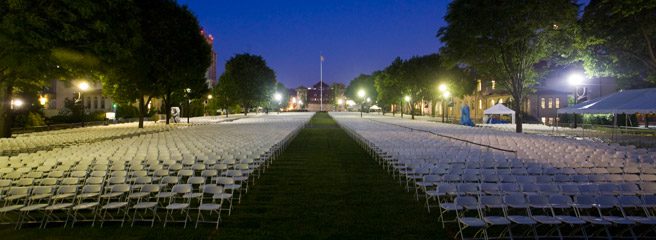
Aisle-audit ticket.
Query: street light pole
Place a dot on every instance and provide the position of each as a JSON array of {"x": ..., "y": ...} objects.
[
  {"x": 361, "y": 94},
  {"x": 187, "y": 91}
]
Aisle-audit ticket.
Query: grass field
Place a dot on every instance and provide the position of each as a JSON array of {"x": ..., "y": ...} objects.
[{"x": 322, "y": 187}]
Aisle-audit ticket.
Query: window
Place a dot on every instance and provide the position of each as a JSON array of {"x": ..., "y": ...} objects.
[
  {"x": 88, "y": 103},
  {"x": 494, "y": 84},
  {"x": 480, "y": 104},
  {"x": 550, "y": 102},
  {"x": 102, "y": 102},
  {"x": 551, "y": 121},
  {"x": 528, "y": 105},
  {"x": 557, "y": 102},
  {"x": 479, "y": 85},
  {"x": 501, "y": 100},
  {"x": 95, "y": 102},
  {"x": 544, "y": 119},
  {"x": 542, "y": 103},
  {"x": 492, "y": 102}
]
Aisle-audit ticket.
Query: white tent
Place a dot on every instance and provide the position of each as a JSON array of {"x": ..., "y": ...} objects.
[
  {"x": 627, "y": 101},
  {"x": 374, "y": 107},
  {"x": 498, "y": 109}
]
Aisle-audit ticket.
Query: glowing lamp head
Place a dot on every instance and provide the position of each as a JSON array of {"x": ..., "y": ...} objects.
[
  {"x": 368, "y": 99},
  {"x": 83, "y": 86},
  {"x": 43, "y": 100},
  {"x": 407, "y": 98},
  {"x": 17, "y": 103},
  {"x": 442, "y": 87},
  {"x": 340, "y": 101},
  {"x": 446, "y": 94},
  {"x": 209, "y": 96},
  {"x": 277, "y": 97},
  {"x": 361, "y": 93},
  {"x": 576, "y": 79}
]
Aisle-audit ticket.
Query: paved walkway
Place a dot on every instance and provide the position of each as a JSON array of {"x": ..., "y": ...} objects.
[{"x": 325, "y": 187}]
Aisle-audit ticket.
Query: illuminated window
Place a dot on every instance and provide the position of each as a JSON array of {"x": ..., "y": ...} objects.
[
  {"x": 501, "y": 100},
  {"x": 542, "y": 103},
  {"x": 480, "y": 104},
  {"x": 544, "y": 119},
  {"x": 557, "y": 102},
  {"x": 528, "y": 105},
  {"x": 492, "y": 102},
  {"x": 550, "y": 102},
  {"x": 494, "y": 84},
  {"x": 478, "y": 85}
]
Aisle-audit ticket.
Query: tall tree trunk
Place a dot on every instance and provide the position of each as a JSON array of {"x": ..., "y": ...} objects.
[
  {"x": 245, "y": 110},
  {"x": 167, "y": 107},
  {"x": 6, "y": 119},
  {"x": 412, "y": 110},
  {"x": 433, "y": 103},
  {"x": 142, "y": 111},
  {"x": 519, "y": 118}
]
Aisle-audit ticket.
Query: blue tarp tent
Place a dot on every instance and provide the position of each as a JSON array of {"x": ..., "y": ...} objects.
[{"x": 465, "y": 119}]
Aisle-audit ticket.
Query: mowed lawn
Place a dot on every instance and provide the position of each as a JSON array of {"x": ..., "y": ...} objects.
[{"x": 324, "y": 186}]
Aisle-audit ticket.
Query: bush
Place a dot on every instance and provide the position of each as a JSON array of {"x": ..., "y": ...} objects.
[{"x": 34, "y": 120}]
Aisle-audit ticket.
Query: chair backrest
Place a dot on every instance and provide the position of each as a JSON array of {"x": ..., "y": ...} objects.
[
  {"x": 181, "y": 188},
  {"x": 120, "y": 188},
  {"x": 42, "y": 190},
  {"x": 606, "y": 201},
  {"x": 66, "y": 189},
  {"x": 212, "y": 189},
  {"x": 225, "y": 180},
  {"x": 196, "y": 180},
  {"x": 91, "y": 189},
  {"x": 150, "y": 188}
]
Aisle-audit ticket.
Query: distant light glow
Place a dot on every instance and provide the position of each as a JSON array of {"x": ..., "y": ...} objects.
[
  {"x": 277, "y": 97},
  {"x": 446, "y": 94},
  {"x": 442, "y": 87},
  {"x": 350, "y": 102},
  {"x": 43, "y": 100},
  {"x": 340, "y": 101},
  {"x": 17, "y": 102},
  {"x": 361, "y": 93},
  {"x": 209, "y": 96},
  {"x": 407, "y": 98},
  {"x": 576, "y": 79},
  {"x": 84, "y": 86}
]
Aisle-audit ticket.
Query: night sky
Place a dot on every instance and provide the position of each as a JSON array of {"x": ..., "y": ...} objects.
[{"x": 354, "y": 36}]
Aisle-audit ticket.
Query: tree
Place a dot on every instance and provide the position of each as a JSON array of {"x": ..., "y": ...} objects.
[
  {"x": 225, "y": 93},
  {"x": 253, "y": 79},
  {"x": 58, "y": 39},
  {"x": 363, "y": 82},
  {"x": 388, "y": 84},
  {"x": 503, "y": 40},
  {"x": 619, "y": 40},
  {"x": 183, "y": 55}
]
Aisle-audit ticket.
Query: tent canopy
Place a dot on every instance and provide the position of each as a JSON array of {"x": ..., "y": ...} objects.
[
  {"x": 499, "y": 109},
  {"x": 627, "y": 101},
  {"x": 374, "y": 107}
]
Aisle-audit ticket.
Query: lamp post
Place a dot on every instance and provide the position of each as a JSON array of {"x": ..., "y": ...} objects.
[
  {"x": 361, "y": 94},
  {"x": 445, "y": 94},
  {"x": 209, "y": 97},
  {"x": 576, "y": 80},
  {"x": 83, "y": 86},
  {"x": 278, "y": 98},
  {"x": 187, "y": 92},
  {"x": 407, "y": 100}
]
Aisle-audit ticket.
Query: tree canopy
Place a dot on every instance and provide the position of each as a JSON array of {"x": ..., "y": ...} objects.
[
  {"x": 247, "y": 81},
  {"x": 362, "y": 82},
  {"x": 619, "y": 40},
  {"x": 503, "y": 40}
]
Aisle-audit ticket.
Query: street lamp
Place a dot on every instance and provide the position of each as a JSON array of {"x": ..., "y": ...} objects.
[
  {"x": 43, "y": 100},
  {"x": 576, "y": 80},
  {"x": 83, "y": 86},
  {"x": 361, "y": 94},
  {"x": 16, "y": 103},
  {"x": 187, "y": 92},
  {"x": 407, "y": 100},
  {"x": 445, "y": 94},
  {"x": 278, "y": 98}
]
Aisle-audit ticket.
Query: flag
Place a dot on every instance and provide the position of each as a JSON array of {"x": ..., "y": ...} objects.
[{"x": 321, "y": 56}]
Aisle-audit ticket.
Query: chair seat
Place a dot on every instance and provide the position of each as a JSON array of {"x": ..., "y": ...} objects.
[
  {"x": 192, "y": 195},
  {"x": 58, "y": 206},
  {"x": 618, "y": 220},
  {"x": 595, "y": 220},
  {"x": 570, "y": 220},
  {"x": 33, "y": 207},
  {"x": 144, "y": 205},
  {"x": 114, "y": 205},
  {"x": 434, "y": 193},
  {"x": 62, "y": 196},
  {"x": 232, "y": 186},
  {"x": 525, "y": 220},
  {"x": 546, "y": 219},
  {"x": 176, "y": 206},
  {"x": 11, "y": 208},
  {"x": 87, "y": 195},
  {"x": 472, "y": 221},
  {"x": 40, "y": 196},
  {"x": 643, "y": 220},
  {"x": 15, "y": 197},
  {"x": 165, "y": 195},
  {"x": 138, "y": 195},
  {"x": 85, "y": 205},
  {"x": 209, "y": 206},
  {"x": 111, "y": 195},
  {"x": 450, "y": 206},
  {"x": 496, "y": 220},
  {"x": 222, "y": 196}
]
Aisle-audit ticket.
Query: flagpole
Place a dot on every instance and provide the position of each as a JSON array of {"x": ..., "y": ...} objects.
[{"x": 321, "y": 79}]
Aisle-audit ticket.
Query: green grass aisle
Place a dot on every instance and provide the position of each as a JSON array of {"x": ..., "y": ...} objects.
[{"x": 324, "y": 186}]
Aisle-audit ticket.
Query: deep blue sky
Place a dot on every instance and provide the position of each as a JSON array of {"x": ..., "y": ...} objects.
[{"x": 354, "y": 36}]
